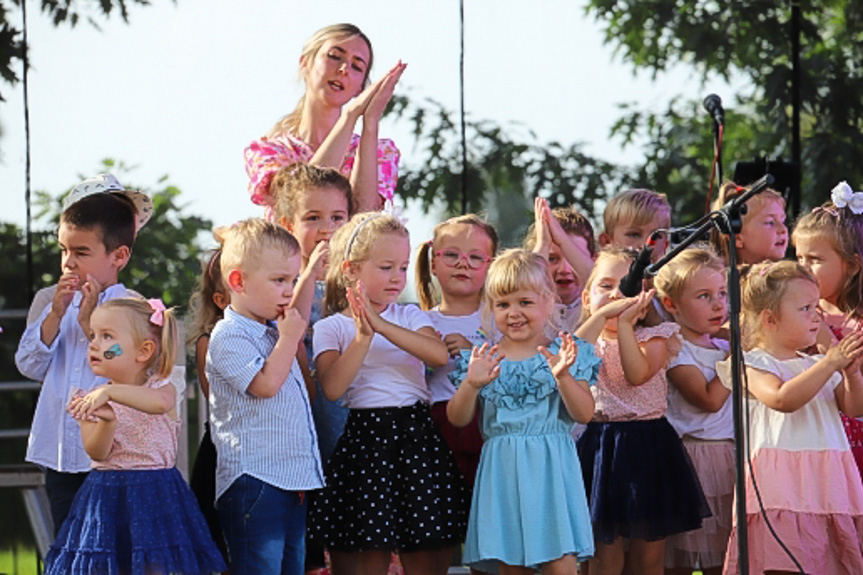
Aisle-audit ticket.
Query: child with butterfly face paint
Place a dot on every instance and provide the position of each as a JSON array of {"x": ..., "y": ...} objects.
[{"x": 130, "y": 427}]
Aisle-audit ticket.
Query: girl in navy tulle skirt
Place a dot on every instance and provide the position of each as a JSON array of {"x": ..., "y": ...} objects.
[
  {"x": 134, "y": 514},
  {"x": 640, "y": 482}
]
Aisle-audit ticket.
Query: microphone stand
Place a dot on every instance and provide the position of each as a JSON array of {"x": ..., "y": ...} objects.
[
  {"x": 728, "y": 221},
  {"x": 717, "y": 150}
]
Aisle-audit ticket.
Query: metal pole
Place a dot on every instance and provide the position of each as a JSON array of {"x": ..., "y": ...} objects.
[
  {"x": 462, "y": 112},
  {"x": 29, "y": 234},
  {"x": 796, "y": 150}
]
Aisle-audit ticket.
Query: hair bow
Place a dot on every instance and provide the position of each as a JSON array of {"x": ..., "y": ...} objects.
[
  {"x": 395, "y": 211},
  {"x": 842, "y": 196},
  {"x": 157, "y": 317}
]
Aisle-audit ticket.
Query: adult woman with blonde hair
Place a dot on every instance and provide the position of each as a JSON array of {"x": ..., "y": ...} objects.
[{"x": 335, "y": 65}]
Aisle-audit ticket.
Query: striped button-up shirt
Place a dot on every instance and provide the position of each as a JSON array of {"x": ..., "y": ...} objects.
[{"x": 272, "y": 439}]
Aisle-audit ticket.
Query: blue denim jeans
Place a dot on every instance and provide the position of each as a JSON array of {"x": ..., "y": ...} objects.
[{"x": 264, "y": 528}]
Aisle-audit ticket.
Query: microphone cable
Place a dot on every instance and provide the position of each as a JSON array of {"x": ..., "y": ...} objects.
[
  {"x": 752, "y": 473},
  {"x": 717, "y": 148}
]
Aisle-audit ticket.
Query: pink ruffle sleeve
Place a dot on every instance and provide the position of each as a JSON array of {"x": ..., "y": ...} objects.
[{"x": 267, "y": 156}]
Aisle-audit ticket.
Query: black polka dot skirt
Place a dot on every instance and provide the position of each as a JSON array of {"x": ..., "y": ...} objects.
[{"x": 392, "y": 484}]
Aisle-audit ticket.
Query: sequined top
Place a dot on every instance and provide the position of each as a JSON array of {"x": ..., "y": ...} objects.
[
  {"x": 142, "y": 440},
  {"x": 617, "y": 400}
]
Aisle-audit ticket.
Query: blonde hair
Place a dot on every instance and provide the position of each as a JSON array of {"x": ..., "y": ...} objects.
[
  {"x": 609, "y": 252},
  {"x": 513, "y": 270},
  {"x": 243, "y": 242},
  {"x": 762, "y": 288},
  {"x": 844, "y": 230},
  {"x": 139, "y": 311},
  {"x": 673, "y": 276},
  {"x": 203, "y": 311},
  {"x": 572, "y": 222},
  {"x": 337, "y": 32},
  {"x": 353, "y": 243},
  {"x": 291, "y": 182},
  {"x": 639, "y": 207},
  {"x": 727, "y": 192},
  {"x": 429, "y": 296}
]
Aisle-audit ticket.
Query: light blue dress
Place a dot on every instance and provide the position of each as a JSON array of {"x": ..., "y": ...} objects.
[{"x": 529, "y": 504}]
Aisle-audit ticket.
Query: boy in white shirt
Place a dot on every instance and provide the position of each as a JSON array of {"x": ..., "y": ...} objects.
[{"x": 97, "y": 230}]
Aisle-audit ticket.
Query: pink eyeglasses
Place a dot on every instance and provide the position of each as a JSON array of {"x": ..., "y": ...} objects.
[{"x": 475, "y": 260}]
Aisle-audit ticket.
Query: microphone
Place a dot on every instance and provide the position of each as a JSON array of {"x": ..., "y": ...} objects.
[
  {"x": 631, "y": 283},
  {"x": 713, "y": 105}
]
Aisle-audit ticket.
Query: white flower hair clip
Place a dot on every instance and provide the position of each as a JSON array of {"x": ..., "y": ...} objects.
[
  {"x": 842, "y": 195},
  {"x": 395, "y": 211}
]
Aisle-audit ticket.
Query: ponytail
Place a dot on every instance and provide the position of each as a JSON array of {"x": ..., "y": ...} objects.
[
  {"x": 425, "y": 288},
  {"x": 167, "y": 352}
]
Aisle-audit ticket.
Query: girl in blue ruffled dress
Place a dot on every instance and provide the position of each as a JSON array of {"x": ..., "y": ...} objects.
[{"x": 529, "y": 509}]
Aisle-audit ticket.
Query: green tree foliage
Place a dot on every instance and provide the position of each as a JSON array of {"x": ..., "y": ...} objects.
[
  {"x": 61, "y": 12},
  {"x": 506, "y": 168},
  {"x": 753, "y": 40}
]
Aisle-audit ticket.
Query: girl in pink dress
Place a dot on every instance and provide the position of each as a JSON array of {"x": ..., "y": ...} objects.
[
  {"x": 335, "y": 66},
  {"x": 829, "y": 241},
  {"x": 801, "y": 463},
  {"x": 134, "y": 513}
]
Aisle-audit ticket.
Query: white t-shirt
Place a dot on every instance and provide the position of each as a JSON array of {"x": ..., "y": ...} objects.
[
  {"x": 470, "y": 326},
  {"x": 685, "y": 417},
  {"x": 389, "y": 376}
]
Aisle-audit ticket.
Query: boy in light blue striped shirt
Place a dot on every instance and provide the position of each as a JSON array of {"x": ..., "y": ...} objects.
[{"x": 259, "y": 406}]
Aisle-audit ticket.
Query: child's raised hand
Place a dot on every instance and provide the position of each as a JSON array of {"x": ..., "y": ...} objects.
[
  {"x": 637, "y": 311},
  {"x": 484, "y": 366},
  {"x": 90, "y": 291},
  {"x": 84, "y": 407},
  {"x": 455, "y": 342},
  {"x": 614, "y": 308},
  {"x": 372, "y": 316},
  {"x": 541, "y": 215},
  {"x": 555, "y": 230},
  {"x": 291, "y": 323},
  {"x": 846, "y": 355},
  {"x": 319, "y": 258},
  {"x": 66, "y": 286},
  {"x": 104, "y": 413},
  {"x": 560, "y": 362},
  {"x": 361, "y": 322}
]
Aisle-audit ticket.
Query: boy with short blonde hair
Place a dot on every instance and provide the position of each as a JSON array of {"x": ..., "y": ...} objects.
[
  {"x": 259, "y": 406},
  {"x": 631, "y": 216}
]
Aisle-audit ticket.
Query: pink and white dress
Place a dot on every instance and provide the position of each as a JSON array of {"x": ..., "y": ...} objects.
[
  {"x": 266, "y": 156},
  {"x": 807, "y": 478}
]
